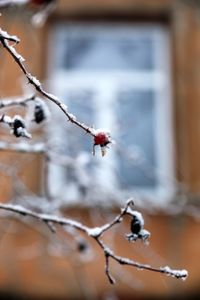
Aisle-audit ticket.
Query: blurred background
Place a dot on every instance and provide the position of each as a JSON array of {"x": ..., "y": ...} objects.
[{"x": 131, "y": 67}]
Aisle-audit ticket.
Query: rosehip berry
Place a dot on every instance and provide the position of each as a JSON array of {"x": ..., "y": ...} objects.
[{"x": 102, "y": 139}]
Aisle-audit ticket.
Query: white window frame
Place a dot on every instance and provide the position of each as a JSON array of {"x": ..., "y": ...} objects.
[{"x": 158, "y": 80}]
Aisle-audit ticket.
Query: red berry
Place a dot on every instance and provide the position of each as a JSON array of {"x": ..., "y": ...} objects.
[{"x": 102, "y": 139}]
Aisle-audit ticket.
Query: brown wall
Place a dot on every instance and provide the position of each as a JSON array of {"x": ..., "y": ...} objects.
[{"x": 175, "y": 240}]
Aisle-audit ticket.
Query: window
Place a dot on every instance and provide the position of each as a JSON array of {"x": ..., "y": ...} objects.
[{"x": 115, "y": 76}]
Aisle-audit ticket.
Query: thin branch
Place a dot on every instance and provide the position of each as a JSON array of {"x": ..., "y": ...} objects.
[
  {"x": 44, "y": 217},
  {"x": 107, "y": 270},
  {"x": 16, "y": 102},
  {"x": 180, "y": 274},
  {"x": 4, "y": 38},
  {"x": 118, "y": 219},
  {"x": 95, "y": 233}
]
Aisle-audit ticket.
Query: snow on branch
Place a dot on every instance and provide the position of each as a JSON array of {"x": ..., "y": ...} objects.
[
  {"x": 16, "y": 102},
  {"x": 100, "y": 137},
  {"x": 97, "y": 233},
  {"x": 4, "y": 38}
]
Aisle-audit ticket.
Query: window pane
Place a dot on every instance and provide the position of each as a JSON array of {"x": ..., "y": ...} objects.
[
  {"x": 107, "y": 50},
  {"x": 112, "y": 76},
  {"x": 136, "y": 129},
  {"x": 80, "y": 103}
]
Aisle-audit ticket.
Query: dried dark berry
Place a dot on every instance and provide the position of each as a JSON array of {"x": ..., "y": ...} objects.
[
  {"x": 39, "y": 114},
  {"x": 136, "y": 225},
  {"x": 17, "y": 123}
]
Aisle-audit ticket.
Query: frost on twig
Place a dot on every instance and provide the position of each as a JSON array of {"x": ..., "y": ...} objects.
[
  {"x": 100, "y": 138},
  {"x": 5, "y": 36},
  {"x": 16, "y": 102},
  {"x": 4, "y": 39},
  {"x": 175, "y": 273},
  {"x": 95, "y": 233}
]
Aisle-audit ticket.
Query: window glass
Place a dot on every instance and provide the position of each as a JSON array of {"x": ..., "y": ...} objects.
[
  {"x": 117, "y": 77},
  {"x": 111, "y": 53},
  {"x": 135, "y": 113}
]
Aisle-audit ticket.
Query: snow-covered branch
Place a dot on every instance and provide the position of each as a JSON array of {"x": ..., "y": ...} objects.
[
  {"x": 16, "y": 102},
  {"x": 4, "y": 37},
  {"x": 97, "y": 233},
  {"x": 100, "y": 137}
]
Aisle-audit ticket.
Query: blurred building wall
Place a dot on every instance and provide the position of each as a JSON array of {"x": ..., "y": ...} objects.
[{"x": 175, "y": 238}]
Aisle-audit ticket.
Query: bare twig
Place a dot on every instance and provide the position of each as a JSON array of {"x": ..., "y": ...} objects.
[
  {"x": 5, "y": 36},
  {"x": 4, "y": 39},
  {"x": 107, "y": 270},
  {"x": 102, "y": 139},
  {"x": 95, "y": 233},
  {"x": 16, "y": 102},
  {"x": 118, "y": 219}
]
